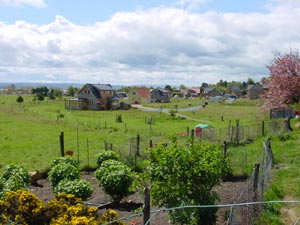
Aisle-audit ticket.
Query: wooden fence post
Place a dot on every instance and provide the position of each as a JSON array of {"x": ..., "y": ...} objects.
[
  {"x": 263, "y": 128},
  {"x": 237, "y": 131},
  {"x": 192, "y": 136},
  {"x": 151, "y": 143},
  {"x": 77, "y": 135},
  {"x": 62, "y": 144},
  {"x": 188, "y": 131},
  {"x": 146, "y": 209},
  {"x": 255, "y": 191},
  {"x": 88, "y": 153},
  {"x": 138, "y": 145},
  {"x": 255, "y": 181},
  {"x": 225, "y": 149},
  {"x": 287, "y": 124}
]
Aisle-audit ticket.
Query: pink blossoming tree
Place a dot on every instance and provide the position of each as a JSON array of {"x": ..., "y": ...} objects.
[{"x": 283, "y": 85}]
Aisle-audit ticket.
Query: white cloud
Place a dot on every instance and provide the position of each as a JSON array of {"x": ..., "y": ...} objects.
[
  {"x": 17, "y": 3},
  {"x": 192, "y": 4},
  {"x": 157, "y": 46}
]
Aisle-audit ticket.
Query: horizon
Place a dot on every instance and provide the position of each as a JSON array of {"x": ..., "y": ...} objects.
[{"x": 150, "y": 43}]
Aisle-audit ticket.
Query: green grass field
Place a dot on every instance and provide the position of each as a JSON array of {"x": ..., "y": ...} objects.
[
  {"x": 29, "y": 132},
  {"x": 179, "y": 102}
]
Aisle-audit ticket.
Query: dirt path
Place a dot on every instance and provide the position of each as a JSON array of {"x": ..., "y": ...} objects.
[{"x": 164, "y": 110}]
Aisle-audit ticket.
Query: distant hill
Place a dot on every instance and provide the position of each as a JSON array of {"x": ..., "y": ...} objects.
[{"x": 49, "y": 85}]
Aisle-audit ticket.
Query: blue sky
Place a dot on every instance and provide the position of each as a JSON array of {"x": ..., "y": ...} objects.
[
  {"x": 91, "y": 11},
  {"x": 151, "y": 42}
]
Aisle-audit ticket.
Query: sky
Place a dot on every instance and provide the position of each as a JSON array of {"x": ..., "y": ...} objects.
[{"x": 144, "y": 42}]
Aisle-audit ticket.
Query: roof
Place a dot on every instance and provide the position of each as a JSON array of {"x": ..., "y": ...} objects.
[
  {"x": 143, "y": 92},
  {"x": 235, "y": 88},
  {"x": 207, "y": 90},
  {"x": 102, "y": 87},
  {"x": 201, "y": 125},
  {"x": 95, "y": 88},
  {"x": 197, "y": 90}
]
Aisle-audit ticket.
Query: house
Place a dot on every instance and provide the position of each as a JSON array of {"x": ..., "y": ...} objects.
[
  {"x": 190, "y": 92},
  {"x": 211, "y": 92},
  {"x": 160, "y": 95},
  {"x": 234, "y": 90},
  {"x": 139, "y": 95},
  {"x": 255, "y": 91},
  {"x": 195, "y": 92},
  {"x": 93, "y": 97}
]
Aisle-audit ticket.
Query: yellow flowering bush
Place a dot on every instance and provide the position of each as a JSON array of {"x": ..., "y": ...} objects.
[
  {"x": 21, "y": 207},
  {"x": 24, "y": 208}
]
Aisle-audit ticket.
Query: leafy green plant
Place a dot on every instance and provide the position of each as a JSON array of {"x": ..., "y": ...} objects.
[
  {"x": 14, "y": 177},
  {"x": 66, "y": 159},
  {"x": 119, "y": 118},
  {"x": 116, "y": 179},
  {"x": 63, "y": 171},
  {"x": 183, "y": 175},
  {"x": 20, "y": 99},
  {"x": 79, "y": 188},
  {"x": 106, "y": 155}
]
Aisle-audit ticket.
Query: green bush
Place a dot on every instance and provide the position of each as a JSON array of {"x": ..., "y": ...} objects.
[
  {"x": 16, "y": 170},
  {"x": 79, "y": 188},
  {"x": 185, "y": 175},
  {"x": 63, "y": 171},
  {"x": 116, "y": 179},
  {"x": 14, "y": 177},
  {"x": 106, "y": 155},
  {"x": 67, "y": 159}
]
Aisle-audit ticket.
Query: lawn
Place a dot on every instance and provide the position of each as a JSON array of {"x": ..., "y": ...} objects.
[
  {"x": 177, "y": 102},
  {"x": 29, "y": 132},
  {"x": 220, "y": 114}
]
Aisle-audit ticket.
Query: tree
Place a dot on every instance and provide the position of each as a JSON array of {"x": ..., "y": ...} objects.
[
  {"x": 283, "y": 85},
  {"x": 250, "y": 81},
  {"x": 168, "y": 87},
  {"x": 182, "y": 86},
  {"x": 184, "y": 175},
  {"x": 20, "y": 99},
  {"x": 42, "y": 91},
  {"x": 57, "y": 93},
  {"x": 71, "y": 91}
]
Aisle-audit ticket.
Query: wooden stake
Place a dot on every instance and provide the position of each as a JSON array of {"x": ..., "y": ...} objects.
[{"x": 62, "y": 144}]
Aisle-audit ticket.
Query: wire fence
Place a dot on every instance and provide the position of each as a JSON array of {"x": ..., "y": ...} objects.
[
  {"x": 239, "y": 134},
  {"x": 254, "y": 190}
]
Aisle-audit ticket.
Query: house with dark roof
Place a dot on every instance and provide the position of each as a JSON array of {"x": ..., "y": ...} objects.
[
  {"x": 255, "y": 91},
  {"x": 93, "y": 97},
  {"x": 160, "y": 95},
  {"x": 211, "y": 92}
]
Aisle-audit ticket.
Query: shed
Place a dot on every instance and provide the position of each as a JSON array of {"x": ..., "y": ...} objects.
[{"x": 199, "y": 127}]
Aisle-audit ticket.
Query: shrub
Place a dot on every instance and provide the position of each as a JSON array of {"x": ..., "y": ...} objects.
[
  {"x": 115, "y": 178},
  {"x": 67, "y": 159},
  {"x": 14, "y": 177},
  {"x": 20, "y": 99},
  {"x": 106, "y": 155},
  {"x": 21, "y": 207},
  {"x": 15, "y": 170},
  {"x": 63, "y": 171},
  {"x": 79, "y": 188},
  {"x": 186, "y": 175}
]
